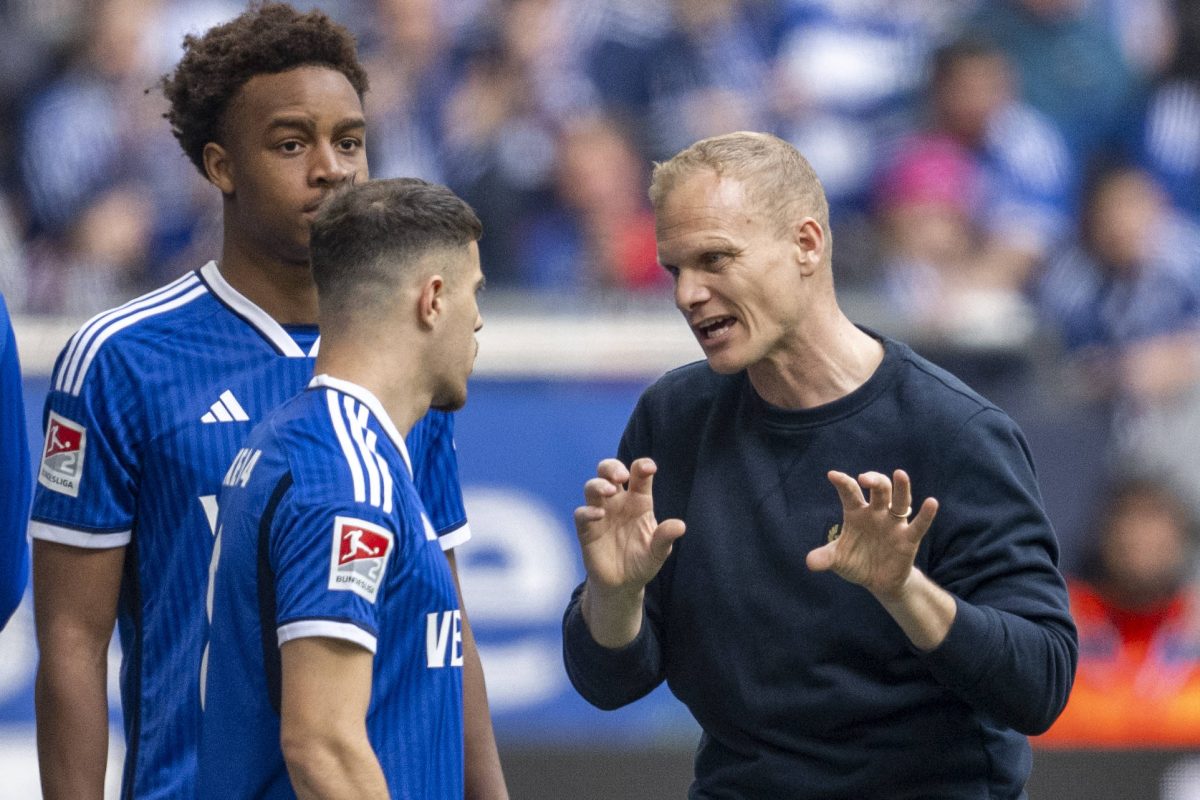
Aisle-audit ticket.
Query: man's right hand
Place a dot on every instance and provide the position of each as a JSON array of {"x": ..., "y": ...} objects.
[{"x": 623, "y": 545}]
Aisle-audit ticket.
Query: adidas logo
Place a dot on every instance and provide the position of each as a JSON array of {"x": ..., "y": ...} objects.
[{"x": 226, "y": 409}]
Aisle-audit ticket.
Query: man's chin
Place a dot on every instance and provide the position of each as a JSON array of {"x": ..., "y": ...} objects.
[
  {"x": 453, "y": 403},
  {"x": 722, "y": 364}
]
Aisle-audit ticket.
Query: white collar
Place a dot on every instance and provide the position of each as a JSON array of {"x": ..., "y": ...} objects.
[
  {"x": 254, "y": 316},
  {"x": 368, "y": 399}
]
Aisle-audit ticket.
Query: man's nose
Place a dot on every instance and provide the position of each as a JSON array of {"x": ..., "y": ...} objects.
[
  {"x": 329, "y": 167},
  {"x": 690, "y": 290}
]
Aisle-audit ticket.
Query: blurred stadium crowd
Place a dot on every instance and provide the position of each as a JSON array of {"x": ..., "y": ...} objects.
[{"x": 984, "y": 159}]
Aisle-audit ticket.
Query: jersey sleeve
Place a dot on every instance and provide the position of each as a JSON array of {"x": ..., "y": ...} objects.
[
  {"x": 330, "y": 562},
  {"x": 87, "y": 479},
  {"x": 14, "y": 474},
  {"x": 435, "y": 474}
]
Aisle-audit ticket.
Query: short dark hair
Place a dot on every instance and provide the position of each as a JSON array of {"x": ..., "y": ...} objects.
[
  {"x": 267, "y": 39},
  {"x": 365, "y": 234}
]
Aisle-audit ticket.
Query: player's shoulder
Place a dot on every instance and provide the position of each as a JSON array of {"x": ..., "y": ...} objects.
[
  {"x": 338, "y": 439},
  {"x": 130, "y": 333}
]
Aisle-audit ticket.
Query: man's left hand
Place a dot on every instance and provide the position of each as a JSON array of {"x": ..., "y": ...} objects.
[{"x": 878, "y": 543}]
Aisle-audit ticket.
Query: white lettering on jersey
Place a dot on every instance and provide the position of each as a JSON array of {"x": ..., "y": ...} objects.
[
  {"x": 438, "y": 627},
  {"x": 62, "y": 456},
  {"x": 359, "y": 557},
  {"x": 242, "y": 466}
]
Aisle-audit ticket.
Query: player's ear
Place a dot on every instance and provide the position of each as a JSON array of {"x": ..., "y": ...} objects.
[
  {"x": 808, "y": 239},
  {"x": 432, "y": 301},
  {"x": 218, "y": 167}
]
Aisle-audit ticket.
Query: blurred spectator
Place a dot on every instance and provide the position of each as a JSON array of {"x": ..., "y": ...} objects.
[
  {"x": 1137, "y": 608},
  {"x": 847, "y": 74},
  {"x": 112, "y": 201},
  {"x": 410, "y": 72},
  {"x": 34, "y": 36},
  {"x": 1069, "y": 64},
  {"x": 1026, "y": 172},
  {"x": 1167, "y": 140},
  {"x": 925, "y": 206},
  {"x": 705, "y": 74},
  {"x": 1145, "y": 32},
  {"x": 1126, "y": 301},
  {"x": 497, "y": 138},
  {"x": 600, "y": 232},
  {"x": 971, "y": 203}
]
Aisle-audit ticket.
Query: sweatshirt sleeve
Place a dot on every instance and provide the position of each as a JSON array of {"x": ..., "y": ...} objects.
[
  {"x": 1012, "y": 649},
  {"x": 609, "y": 678}
]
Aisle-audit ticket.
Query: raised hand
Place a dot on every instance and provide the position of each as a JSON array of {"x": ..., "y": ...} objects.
[
  {"x": 623, "y": 545},
  {"x": 878, "y": 542}
]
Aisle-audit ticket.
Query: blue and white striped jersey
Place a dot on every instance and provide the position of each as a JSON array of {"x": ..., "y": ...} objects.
[
  {"x": 149, "y": 403},
  {"x": 321, "y": 533}
]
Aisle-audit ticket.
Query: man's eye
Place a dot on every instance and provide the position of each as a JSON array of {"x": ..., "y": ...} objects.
[{"x": 290, "y": 146}]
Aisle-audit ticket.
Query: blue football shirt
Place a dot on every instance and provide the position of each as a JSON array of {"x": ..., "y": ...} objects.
[
  {"x": 14, "y": 474},
  {"x": 321, "y": 533},
  {"x": 149, "y": 404}
]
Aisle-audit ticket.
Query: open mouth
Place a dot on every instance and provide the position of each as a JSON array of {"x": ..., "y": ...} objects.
[{"x": 714, "y": 329}]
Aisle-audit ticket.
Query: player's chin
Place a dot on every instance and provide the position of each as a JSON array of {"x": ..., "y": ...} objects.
[{"x": 451, "y": 400}]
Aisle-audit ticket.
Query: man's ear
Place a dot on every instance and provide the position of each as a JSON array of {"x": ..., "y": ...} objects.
[
  {"x": 432, "y": 301},
  {"x": 218, "y": 167},
  {"x": 809, "y": 239}
]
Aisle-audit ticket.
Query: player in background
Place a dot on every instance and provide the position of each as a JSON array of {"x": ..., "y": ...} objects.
[
  {"x": 150, "y": 402},
  {"x": 15, "y": 477},
  {"x": 336, "y": 641}
]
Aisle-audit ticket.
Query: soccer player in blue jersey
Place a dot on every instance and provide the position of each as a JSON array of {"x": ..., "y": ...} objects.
[
  {"x": 832, "y": 644},
  {"x": 150, "y": 402},
  {"x": 336, "y": 639},
  {"x": 14, "y": 474}
]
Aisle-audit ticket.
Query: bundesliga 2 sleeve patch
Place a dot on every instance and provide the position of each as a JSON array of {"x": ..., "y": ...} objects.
[
  {"x": 359, "y": 558},
  {"x": 62, "y": 457}
]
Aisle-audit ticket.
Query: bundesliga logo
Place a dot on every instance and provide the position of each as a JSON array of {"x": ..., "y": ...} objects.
[
  {"x": 62, "y": 458},
  {"x": 359, "y": 557}
]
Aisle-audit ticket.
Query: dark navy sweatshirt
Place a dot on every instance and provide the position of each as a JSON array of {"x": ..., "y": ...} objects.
[{"x": 803, "y": 685}]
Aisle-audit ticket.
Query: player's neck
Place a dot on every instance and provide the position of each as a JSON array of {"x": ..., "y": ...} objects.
[
  {"x": 283, "y": 290},
  {"x": 395, "y": 378}
]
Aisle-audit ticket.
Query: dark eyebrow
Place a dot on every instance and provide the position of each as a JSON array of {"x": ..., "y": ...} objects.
[
  {"x": 300, "y": 123},
  {"x": 307, "y": 125},
  {"x": 349, "y": 124}
]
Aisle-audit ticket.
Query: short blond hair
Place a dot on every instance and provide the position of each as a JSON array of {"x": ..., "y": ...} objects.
[{"x": 777, "y": 178}]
